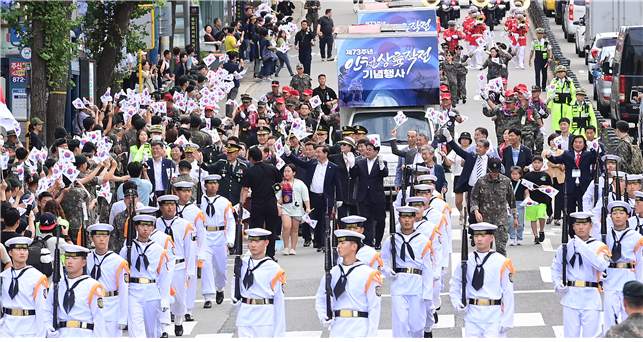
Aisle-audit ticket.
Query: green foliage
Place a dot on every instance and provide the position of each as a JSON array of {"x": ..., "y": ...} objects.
[{"x": 58, "y": 49}]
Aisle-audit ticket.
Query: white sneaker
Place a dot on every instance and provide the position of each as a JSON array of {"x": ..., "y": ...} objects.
[
  {"x": 285, "y": 251},
  {"x": 293, "y": 252},
  {"x": 519, "y": 242},
  {"x": 512, "y": 242},
  {"x": 323, "y": 59}
]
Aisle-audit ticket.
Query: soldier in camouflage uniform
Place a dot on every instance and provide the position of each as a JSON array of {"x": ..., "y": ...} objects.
[
  {"x": 312, "y": 13},
  {"x": 489, "y": 198},
  {"x": 72, "y": 204},
  {"x": 532, "y": 122},
  {"x": 11, "y": 143},
  {"x": 508, "y": 117},
  {"x": 301, "y": 81},
  {"x": 199, "y": 137},
  {"x": 184, "y": 176},
  {"x": 624, "y": 146},
  {"x": 632, "y": 327},
  {"x": 452, "y": 69},
  {"x": 462, "y": 73}
]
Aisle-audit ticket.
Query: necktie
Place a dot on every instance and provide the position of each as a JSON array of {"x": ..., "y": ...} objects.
[
  {"x": 479, "y": 167},
  {"x": 168, "y": 228},
  {"x": 577, "y": 159},
  {"x": 406, "y": 247},
  {"x": 573, "y": 259},
  {"x": 146, "y": 262},
  {"x": 340, "y": 286},
  {"x": 210, "y": 209},
  {"x": 96, "y": 271},
  {"x": 249, "y": 278},
  {"x": 478, "y": 274},
  {"x": 14, "y": 288},
  {"x": 616, "y": 247},
  {"x": 70, "y": 298}
]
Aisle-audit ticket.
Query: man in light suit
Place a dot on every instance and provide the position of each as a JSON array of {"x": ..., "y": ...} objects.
[
  {"x": 371, "y": 200},
  {"x": 522, "y": 156},
  {"x": 405, "y": 155},
  {"x": 345, "y": 160},
  {"x": 324, "y": 184},
  {"x": 160, "y": 170}
]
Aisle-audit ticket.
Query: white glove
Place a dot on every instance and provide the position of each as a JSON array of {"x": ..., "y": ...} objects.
[
  {"x": 392, "y": 275},
  {"x": 447, "y": 135},
  {"x": 242, "y": 114},
  {"x": 234, "y": 302},
  {"x": 52, "y": 333},
  {"x": 339, "y": 203},
  {"x": 456, "y": 37},
  {"x": 122, "y": 326},
  {"x": 504, "y": 329},
  {"x": 230, "y": 244},
  {"x": 543, "y": 130},
  {"x": 502, "y": 98},
  {"x": 461, "y": 308},
  {"x": 287, "y": 150},
  {"x": 550, "y": 153},
  {"x": 504, "y": 65},
  {"x": 485, "y": 104},
  {"x": 552, "y": 96},
  {"x": 448, "y": 39},
  {"x": 451, "y": 114},
  {"x": 483, "y": 95},
  {"x": 560, "y": 288},
  {"x": 382, "y": 166},
  {"x": 327, "y": 322},
  {"x": 542, "y": 111}
]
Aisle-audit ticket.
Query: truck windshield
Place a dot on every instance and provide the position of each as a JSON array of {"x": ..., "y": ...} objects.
[{"x": 382, "y": 123}]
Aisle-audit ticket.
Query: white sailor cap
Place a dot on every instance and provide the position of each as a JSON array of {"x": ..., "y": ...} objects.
[
  {"x": 581, "y": 217},
  {"x": 354, "y": 221},
  {"x": 619, "y": 206},
  {"x": 257, "y": 234},
  {"x": 74, "y": 251},
  {"x": 618, "y": 174},
  {"x": 183, "y": 186},
  {"x": 100, "y": 229},
  {"x": 348, "y": 235},
  {"x": 168, "y": 199},
  {"x": 635, "y": 179},
  {"x": 483, "y": 228},
  {"x": 638, "y": 195},
  {"x": 417, "y": 200},
  {"x": 211, "y": 179},
  {"x": 407, "y": 211},
  {"x": 427, "y": 179},
  {"x": 19, "y": 242},
  {"x": 147, "y": 220},
  {"x": 422, "y": 170},
  {"x": 610, "y": 158},
  {"x": 147, "y": 210},
  {"x": 424, "y": 188},
  {"x": 191, "y": 147}
]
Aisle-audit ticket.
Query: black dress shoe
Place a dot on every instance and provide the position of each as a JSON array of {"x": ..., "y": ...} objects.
[
  {"x": 541, "y": 236},
  {"x": 219, "y": 297},
  {"x": 556, "y": 223},
  {"x": 464, "y": 100},
  {"x": 548, "y": 221},
  {"x": 189, "y": 317},
  {"x": 428, "y": 334},
  {"x": 178, "y": 330},
  {"x": 207, "y": 304},
  {"x": 306, "y": 243},
  {"x": 315, "y": 245},
  {"x": 165, "y": 335},
  {"x": 319, "y": 249},
  {"x": 435, "y": 317}
]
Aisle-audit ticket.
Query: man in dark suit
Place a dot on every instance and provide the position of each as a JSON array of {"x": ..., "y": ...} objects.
[
  {"x": 578, "y": 173},
  {"x": 345, "y": 161},
  {"x": 515, "y": 154},
  {"x": 428, "y": 155},
  {"x": 324, "y": 185},
  {"x": 406, "y": 155},
  {"x": 371, "y": 200},
  {"x": 160, "y": 170}
]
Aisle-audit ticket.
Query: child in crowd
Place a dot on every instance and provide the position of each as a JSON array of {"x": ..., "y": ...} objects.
[
  {"x": 515, "y": 236},
  {"x": 538, "y": 213}
]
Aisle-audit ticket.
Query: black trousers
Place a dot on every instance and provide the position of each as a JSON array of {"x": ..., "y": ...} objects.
[
  {"x": 326, "y": 46},
  {"x": 320, "y": 207},
  {"x": 305, "y": 58},
  {"x": 558, "y": 200},
  {"x": 541, "y": 72},
  {"x": 266, "y": 214},
  {"x": 375, "y": 214}
]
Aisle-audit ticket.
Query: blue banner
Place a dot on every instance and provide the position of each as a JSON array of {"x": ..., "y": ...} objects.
[
  {"x": 388, "y": 72},
  {"x": 417, "y": 20}
]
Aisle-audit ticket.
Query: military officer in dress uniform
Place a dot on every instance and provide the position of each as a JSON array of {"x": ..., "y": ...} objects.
[
  {"x": 190, "y": 212},
  {"x": 412, "y": 277},
  {"x": 180, "y": 232},
  {"x": 586, "y": 259},
  {"x": 262, "y": 307},
  {"x": 489, "y": 311},
  {"x": 81, "y": 313},
  {"x": 231, "y": 171},
  {"x": 625, "y": 256},
  {"x": 360, "y": 132},
  {"x": 24, "y": 294},
  {"x": 220, "y": 229},
  {"x": 149, "y": 281},
  {"x": 367, "y": 254},
  {"x": 111, "y": 271},
  {"x": 356, "y": 297}
]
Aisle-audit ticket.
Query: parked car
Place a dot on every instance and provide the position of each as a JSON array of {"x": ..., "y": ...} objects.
[
  {"x": 603, "y": 80},
  {"x": 580, "y": 37},
  {"x": 627, "y": 73},
  {"x": 573, "y": 11},
  {"x": 559, "y": 10},
  {"x": 549, "y": 6},
  {"x": 594, "y": 47}
]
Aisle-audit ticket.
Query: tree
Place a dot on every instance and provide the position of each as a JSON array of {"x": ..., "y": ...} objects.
[{"x": 45, "y": 27}]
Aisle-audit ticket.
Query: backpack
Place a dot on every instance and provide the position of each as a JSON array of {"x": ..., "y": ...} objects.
[
  {"x": 636, "y": 165},
  {"x": 40, "y": 256}
]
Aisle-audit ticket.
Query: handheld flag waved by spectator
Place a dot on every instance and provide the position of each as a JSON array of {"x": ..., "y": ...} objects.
[
  {"x": 374, "y": 139},
  {"x": 400, "y": 118},
  {"x": 528, "y": 202},
  {"x": 78, "y": 103},
  {"x": 315, "y": 101},
  {"x": 548, "y": 190},
  {"x": 527, "y": 184},
  {"x": 107, "y": 97},
  {"x": 309, "y": 220}
]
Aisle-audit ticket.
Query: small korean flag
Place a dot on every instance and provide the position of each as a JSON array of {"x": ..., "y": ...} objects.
[
  {"x": 66, "y": 155},
  {"x": 480, "y": 41},
  {"x": 528, "y": 202},
  {"x": 400, "y": 118},
  {"x": 78, "y": 103},
  {"x": 374, "y": 139},
  {"x": 315, "y": 101},
  {"x": 551, "y": 87},
  {"x": 549, "y": 191},
  {"x": 430, "y": 114},
  {"x": 209, "y": 59}
]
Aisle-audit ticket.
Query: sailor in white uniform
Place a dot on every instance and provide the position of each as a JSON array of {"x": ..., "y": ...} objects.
[
  {"x": 610, "y": 162},
  {"x": 489, "y": 308},
  {"x": 366, "y": 254},
  {"x": 261, "y": 303},
  {"x": 636, "y": 221}
]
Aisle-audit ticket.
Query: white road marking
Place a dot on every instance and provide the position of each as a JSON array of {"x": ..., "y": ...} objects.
[
  {"x": 581, "y": 71},
  {"x": 528, "y": 319},
  {"x": 545, "y": 274},
  {"x": 445, "y": 321},
  {"x": 558, "y": 331},
  {"x": 477, "y": 97},
  {"x": 546, "y": 245}
]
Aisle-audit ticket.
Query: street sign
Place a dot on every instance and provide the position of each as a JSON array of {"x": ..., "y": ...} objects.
[{"x": 25, "y": 53}]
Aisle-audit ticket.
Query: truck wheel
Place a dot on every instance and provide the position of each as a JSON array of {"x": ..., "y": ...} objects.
[
  {"x": 558, "y": 20},
  {"x": 570, "y": 38},
  {"x": 590, "y": 78},
  {"x": 581, "y": 53}
]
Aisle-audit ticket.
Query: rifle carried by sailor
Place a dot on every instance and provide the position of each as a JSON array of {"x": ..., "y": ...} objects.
[
  {"x": 328, "y": 265},
  {"x": 238, "y": 251},
  {"x": 56, "y": 277}
]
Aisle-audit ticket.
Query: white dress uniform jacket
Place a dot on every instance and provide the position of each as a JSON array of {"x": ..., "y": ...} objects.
[
  {"x": 220, "y": 231},
  {"x": 111, "y": 271},
  {"x": 32, "y": 297},
  {"x": 86, "y": 317}
]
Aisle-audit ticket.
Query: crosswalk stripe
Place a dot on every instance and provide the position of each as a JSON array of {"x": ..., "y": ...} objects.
[
  {"x": 558, "y": 331},
  {"x": 545, "y": 274},
  {"x": 532, "y": 319},
  {"x": 546, "y": 245}
]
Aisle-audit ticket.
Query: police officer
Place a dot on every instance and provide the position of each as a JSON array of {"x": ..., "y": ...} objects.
[
  {"x": 560, "y": 95},
  {"x": 81, "y": 313},
  {"x": 582, "y": 113},
  {"x": 586, "y": 257},
  {"x": 231, "y": 171},
  {"x": 541, "y": 49},
  {"x": 489, "y": 311},
  {"x": 262, "y": 305},
  {"x": 367, "y": 254},
  {"x": 112, "y": 272},
  {"x": 220, "y": 229},
  {"x": 356, "y": 297},
  {"x": 24, "y": 294}
]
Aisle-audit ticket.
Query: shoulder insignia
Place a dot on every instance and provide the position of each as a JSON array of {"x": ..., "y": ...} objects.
[
  {"x": 606, "y": 257},
  {"x": 99, "y": 301},
  {"x": 126, "y": 277},
  {"x": 378, "y": 290},
  {"x": 511, "y": 277}
]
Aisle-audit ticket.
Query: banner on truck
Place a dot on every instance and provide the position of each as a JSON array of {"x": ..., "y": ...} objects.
[
  {"x": 386, "y": 72},
  {"x": 417, "y": 20}
]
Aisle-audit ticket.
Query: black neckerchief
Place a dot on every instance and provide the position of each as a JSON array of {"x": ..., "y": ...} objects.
[
  {"x": 340, "y": 286},
  {"x": 14, "y": 287},
  {"x": 96, "y": 271},
  {"x": 249, "y": 278}
]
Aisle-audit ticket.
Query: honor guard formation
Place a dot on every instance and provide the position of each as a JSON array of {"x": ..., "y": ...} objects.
[{"x": 168, "y": 199}]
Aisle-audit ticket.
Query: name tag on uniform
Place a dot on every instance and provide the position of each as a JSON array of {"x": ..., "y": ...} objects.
[{"x": 576, "y": 173}]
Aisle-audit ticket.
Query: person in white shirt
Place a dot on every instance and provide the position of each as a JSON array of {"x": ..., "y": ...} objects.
[
  {"x": 291, "y": 199},
  {"x": 452, "y": 159}
]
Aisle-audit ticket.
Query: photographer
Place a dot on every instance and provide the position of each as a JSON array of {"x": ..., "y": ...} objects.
[{"x": 144, "y": 186}]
